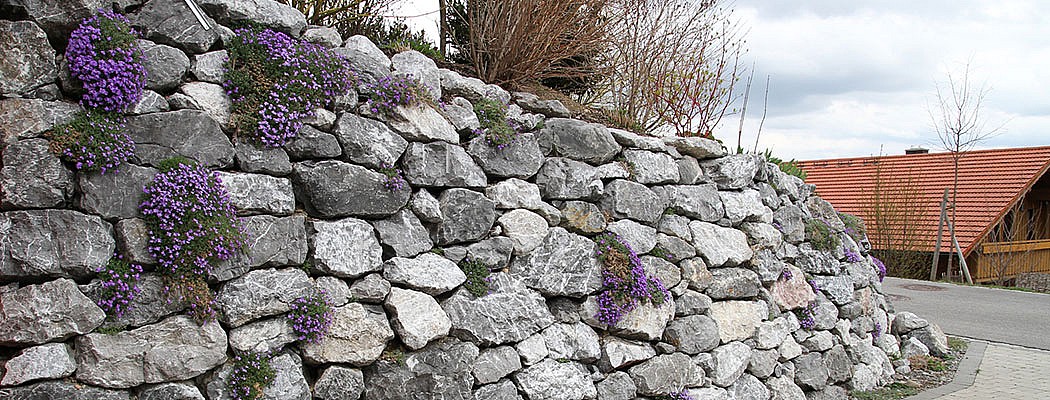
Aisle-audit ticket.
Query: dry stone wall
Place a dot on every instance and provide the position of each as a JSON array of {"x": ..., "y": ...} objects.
[{"x": 724, "y": 233}]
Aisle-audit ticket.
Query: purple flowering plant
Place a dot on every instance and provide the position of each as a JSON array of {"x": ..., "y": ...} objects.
[
  {"x": 806, "y": 316},
  {"x": 786, "y": 274},
  {"x": 103, "y": 56},
  {"x": 311, "y": 316},
  {"x": 814, "y": 285},
  {"x": 625, "y": 283},
  {"x": 192, "y": 226},
  {"x": 819, "y": 234},
  {"x": 478, "y": 276},
  {"x": 854, "y": 226},
  {"x": 678, "y": 395},
  {"x": 251, "y": 374},
  {"x": 881, "y": 268},
  {"x": 394, "y": 179},
  {"x": 93, "y": 141},
  {"x": 495, "y": 127},
  {"x": 662, "y": 253},
  {"x": 119, "y": 285},
  {"x": 877, "y": 332},
  {"x": 392, "y": 91},
  {"x": 851, "y": 255},
  {"x": 276, "y": 81}
]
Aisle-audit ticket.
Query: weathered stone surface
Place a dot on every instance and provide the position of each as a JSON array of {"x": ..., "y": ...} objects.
[
  {"x": 132, "y": 241},
  {"x": 259, "y": 194},
  {"x": 697, "y": 147},
  {"x": 533, "y": 349},
  {"x": 649, "y": 168},
  {"x": 417, "y": 317},
  {"x": 188, "y": 133},
  {"x": 472, "y": 89},
  {"x": 265, "y": 336},
  {"x": 41, "y": 313},
  {"x": 695, "y": 272},
  {"x": 934, "y": 339},
  {"x": 526, "y": 228},
  {"x": 617, "y": 386},
  {"x": 368, "y": 142},
  {"x": 332, "y": 189},
  {"x": 171, "y": 391},
  {"x": 150, "y": 102},
  {"x": 340, "y": 383},
  {"x": 810, "y": 371},
  {"x": 148, "y": 306},
  {"x": 565, "y": 179},
  {"x": 357, "y": 336},
  {"x": 573, "y": 342},
  {"x": 404, "y": 234},
  {"x": 583, "y": 217},
  {"x": 733, "y": 283},
  {"x": 691, "y": 303},
  {"x": 737, "y": 320},
  {"x": 663, "y": 374},
  {"x": 207, "y": 97},
  {"x": 763, "y": 363},
  {"x": 840, "y": 368},
  {"x": 720, "y": 246},
  {"x": 905, "y": 322},
  {"x": 253, "y": 158},
  {"x": 28, "y": 118},
  {"x": 416, "y": 65},
  {"x": 783, "y": 388},
  {"x": 514, "y": 193},
  {"x": 646, "y": 322},
  {"x": 288, "y": 382},
  {"x": 564, "y": 264},
  {"x": 503, "y": 390},
  {"x": 494, "y": 252},
  {"x": 466, "y": 216},
  {"x": 366, "y": 59},
  {"x": 509, "y": 313},
  {"x": 626, "y": 199},
  {"x": 838, "y": 289},
  {"x": 618, "y": 353},
  {"x": 614, "y": 170},
  {"x": 115, "y": 195},
  {"x": 640, "y": 238},
  {"x": 271, "y": 242},
  {"x": 552, "y": 380},
  {"x": 441, "y": 164},
  {"x": 311, "y": 143},
  {"x": 728, "y": 363},
  {"x": 49, "y": 361},
  {"x": 747, "y": 387},
  {"x": 693, "y": 334},
  {"x": 63, "y": 390},
  {"x": 532, "y": 103},
  {"x": 793, "y": 292},
  {"x": 521, "y": 158},
  {"x": 270, "y": 14},
  {"x": 579, "y": 140},
  {"x": 912, "y": 346},
  {"x": 425, "y": 206},
  {"x": 864, "y": 379},
  {"x": 28, "y": 60},
  {"x": 733, "y": 172},
  {"x": 744, "y": 206},
  {"x": 440, "y": 371},
  {"x": 700, "y": 202},
  {"x": 166, "y": 66},
  {"x": 145, "y": 355},
  {"x": 208, "y": 67},
  {"x": 771, "y": 334},
  {"x": 495, "y": 363},
  {"x": 370, "y": 289},
  {"x": 676, "y": 248},
  {"x": 346, "y": 248},
  {"x": 261, "y": 293},
  {"x": 675, "y": 225},
  {"x": 33, "y": 177},
  {"x": 428, "y": 272},
  {"x": 421, "y": 123}
]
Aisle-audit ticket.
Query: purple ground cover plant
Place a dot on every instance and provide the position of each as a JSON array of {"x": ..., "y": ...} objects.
[
  {"x": 478, "y": 276},
  {"x": 103, "y": 56},
  {"x": 93, "y": 141},
  {"x": 311, "y": 316},
  {"x": 251, "y": 374},
  {"x": 192, "y": 226},
  {"x": 119, "y": 285},
  {"x": 851, "y": 255},
  {"x": 813, "y": 284},
  {"x": 495, "y": 127},
  {"x": 786, "y": 274},
  {"x": 625, "y": 283},
  {"x": 806, "y": 316},
  {"x": 389, "y": 92},
  {"x": 678, "y": 395},
  {"x": 877, "y": 332},
  {"x": 394, "y": 179},
  {"x": 275, "y": 81},
  {"x": 881, "y": 268}
]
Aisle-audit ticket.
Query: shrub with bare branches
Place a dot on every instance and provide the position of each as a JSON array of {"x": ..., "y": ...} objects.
[
  {"x": 349, "y": 17},
  {"x": 893, "y": 214}
]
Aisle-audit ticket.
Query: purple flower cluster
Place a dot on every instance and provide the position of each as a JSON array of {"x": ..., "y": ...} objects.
[
  {"x": 389, "y": 92},
  {"x": 276, "y": 81},
  {"x": 813, "y": 284},
  {"x": 625, "y": 282},
  {"x": 498, "y": 130},
  {"x": 311, "y": 316},
  {"x": 119, "y": 285},
  {"x": 875, "y": 334},
  {"x": 251, "y": 374},
  {"x": 192, "y": 226},
  {"x": 786, "y": 274},
  {"x": 394, "y": 180},
  {"x": 852, "y": 256},
  {"x": 102, "y": 54},
  {"x": 881, "y": 268},
  {"x": 679, "y": 395},
  {"x": 806, "y": 316},
  {"x": 94, "y": 142}
]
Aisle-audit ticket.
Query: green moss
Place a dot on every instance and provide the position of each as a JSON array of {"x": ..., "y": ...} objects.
[
  {"x": 478, "y": 278},
  {"x": 492, "y": 115}
]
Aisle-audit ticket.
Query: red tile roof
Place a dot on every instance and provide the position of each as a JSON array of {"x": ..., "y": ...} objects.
[{"x": 990, "y": 182}]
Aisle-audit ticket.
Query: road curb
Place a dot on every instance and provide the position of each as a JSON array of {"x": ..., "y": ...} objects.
[{"x": 964, "y": 375}]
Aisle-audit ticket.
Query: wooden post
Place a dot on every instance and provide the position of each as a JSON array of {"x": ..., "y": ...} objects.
[
  {"x": 940, "y": 233},
  {"x": 962, "y": 260}
]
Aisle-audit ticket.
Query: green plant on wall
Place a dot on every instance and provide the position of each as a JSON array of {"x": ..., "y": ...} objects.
[{"x": 819, "y": 234}]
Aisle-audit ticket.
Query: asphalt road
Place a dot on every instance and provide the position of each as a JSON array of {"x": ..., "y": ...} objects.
[{"x": 995, "y": 315}]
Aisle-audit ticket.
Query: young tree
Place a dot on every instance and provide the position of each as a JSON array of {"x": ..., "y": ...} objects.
[{"x": 958, "y": 118}]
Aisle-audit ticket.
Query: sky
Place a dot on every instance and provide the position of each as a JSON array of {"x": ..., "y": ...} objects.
[{"x": 858, "y": 78}]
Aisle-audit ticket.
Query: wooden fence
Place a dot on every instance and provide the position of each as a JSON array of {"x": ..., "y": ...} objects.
[{"x": 1004, "y": 260}]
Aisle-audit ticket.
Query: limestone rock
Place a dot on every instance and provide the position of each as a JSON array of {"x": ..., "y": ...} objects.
[
  {"x": 368, "y": 142},
  {"x": 441, "y": 164},
  {"x": 166, "y": 66},
  {"x": 272, "y": 242},
  {"x": 720, "y": 246},
  {"x": 810, "y": 371},
  {"x": 495, "y": 363},
  {"x": 208, "y": 67},
  {"x": 270, "y": 14},
  {"x": 514, "y": 193},
  {"x": 63, "y": 390},
  {"x": 532, "y": 103},
  {"x": 626, "y": 199},
  {"x": 521, "y": 158},
  {"x": 270, "y": 161},
  {"x": 345, "y": 248},
  {"x": 311, "y": 143},
  {"x": 29, "y": 118},
  {"x": 693, "y": 334},
  {"x": 28, "y": 60},
  {"x": 48, "y": 361},
  {"x": 403, "y": 233},
  {"x": 370, "y": 289},
  {"x": 339, "y": 383},
  {"x": 565, "y": 179},
  {"x": 580, "y": 141},
  {"x": 188, "y": 133},
  {"x": 466, "y": 216},
  {"x": 737, "y": 320},
  {"x": 260, "y": 293},
  {"x": 728, "y": 363},
  {"x": 552, "y": 380},
  {"x": 934, "y": 339},
  {"x": 733, "y": 283},
  {"x": 700, "y": 148},
  {"x": 663, "y": 374},
  {"x": 509, "y": 313},
  {"x": 576, "y": 342},
  {"x": 265, "y": 336},
  {"x": 649, "y": 168},
  {"x": 503, "y": 390},
  {"x": 332, "y": 189},
  {"x": 417, "y": 317},
  {"x": 533, "y": 349},
  {"x": 54, "y": 310},
  {"x": 357, "y": 336},
  {"x": 748, "y": 387},
  {"x": 733, "y": 172},
  {"x": 646, "y": 322},
  {"x": 618, "y": 353},
  {"x": 525, "y": 228},
  {"x": 171, "y": 391},
  {"x": 33, "y": 177},
  {"x": 793, "y": 292},
  {"x": 744, "y": 206},
  {"x": 641, "y": 238},
  {"x": 564, "y": 264},
  {"x": 259, "y": 194},
  {"x": 700, "y": 202},
  {"x": 440, "y": 371},
  {"x": 421, "y": 123}
]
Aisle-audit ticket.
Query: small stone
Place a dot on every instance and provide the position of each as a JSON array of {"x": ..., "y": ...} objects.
[
  {"x": 208, "y": 67},
  {"x": 339, "y": 383},
  {"x": 49, "y": 361},
  {"x": 421, "y": 123},
  {"x": 357, "y": 336},
  {"x": 552, "y": 380},
  {"x": 441, "y": 164},
  {"x": 503, "y": 390},
  {"x": 573, "y": 342},
  {"x": 526, "y": 228},
  {"x": 693, "y": 334},
  {"x": 617, "y": 386},
  {"x": 641, "y": 238},
  {"x": 583, "y": 217},
  {"x": 426, "y": 207},
  {"x": 810, "y": 371},
  {"x": 495, "y": 363},
  {"x": 733, "y": 172},
  {"x": 533, "y": 349},
  {"x": 346, "y": 248},
  {"x": 700, "y": 148},
  {"x": 733, "y": 283},
  {"x": 417, "y": 318},
  {"x": 171, "y": 391},
  {"x": 370, "y": 289},
  {"x": 326, "y": 36},
  {"x": 649, "y": 168},
  {"x": 521, "y": 158},
  {"x": 208, "y": 97}
]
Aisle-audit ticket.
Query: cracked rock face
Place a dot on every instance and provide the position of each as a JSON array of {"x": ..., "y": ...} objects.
[
  {"x": 509, "y": 313},
  {"x": 54, "y": 310}
]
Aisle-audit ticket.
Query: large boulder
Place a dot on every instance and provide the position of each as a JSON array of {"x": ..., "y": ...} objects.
[
  {"x": 440, "y": 371},
  {"x": 33, "y": 177},
  {"x": 509, "y": 313},
  {"x": 564, "y": 264},
  {"x": 188, "y": 133},
  {"x": 332, "y": 189},
  {"x": 54, "y": 310},
  {"x": 53, "y": 243},
  {"x": 145, "y": 355},
  {"x": 168, "y": 22},
  {"x": 28, "y": 60}
]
